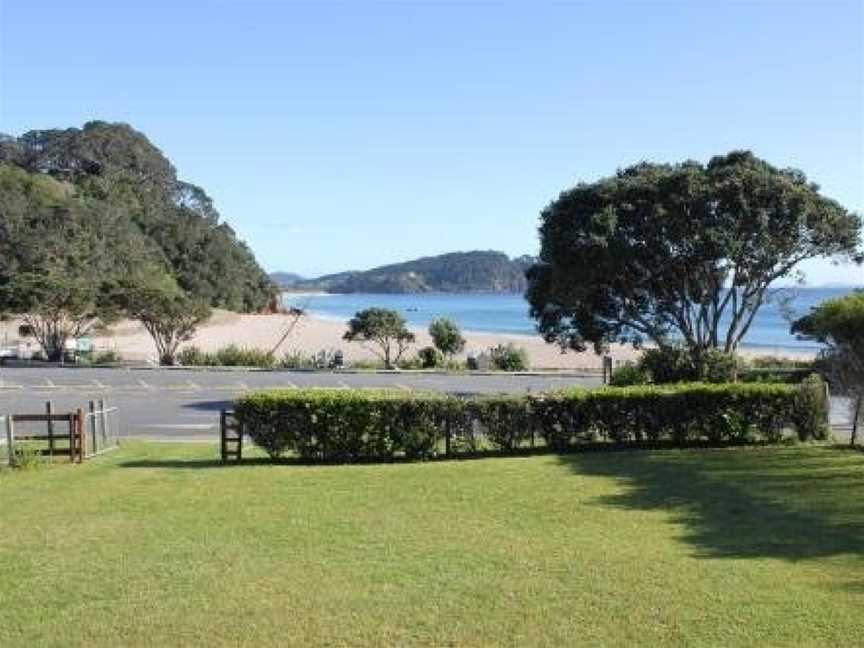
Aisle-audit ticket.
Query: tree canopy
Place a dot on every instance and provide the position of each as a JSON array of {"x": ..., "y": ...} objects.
[
  {"x": 108, "y": 184},
  {"x": 446, "y": 336},
  {"x": 839, "y": 325},
  {"x": 678, "y": 253},
  {"x": 385, "y": 329}
]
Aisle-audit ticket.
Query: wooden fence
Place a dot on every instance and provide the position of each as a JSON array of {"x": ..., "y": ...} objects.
[
  {"x": 230, "y": 436},
  {"x": 78, "y": 434}
]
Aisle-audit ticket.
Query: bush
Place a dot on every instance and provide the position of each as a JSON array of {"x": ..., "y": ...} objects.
[
  {"x": 509, "y": 357},
  {"x": 354, "y": 425},
  {"x": 28, "y": 456},
  {"x": 229, "y": 356},
  {"x": 106, "y": 357},
  {"x": 298, "y": 360},
  {"x": 629, "y": 374},
  {"x": 669, "y": 365},
  {"x": 192, "y": 356},
  {"x": 430, "y": 357},
  {"x": 675, "y": 364}
]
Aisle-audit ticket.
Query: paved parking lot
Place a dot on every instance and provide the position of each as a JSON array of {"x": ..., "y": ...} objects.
[
  {"x": 178, "y": 404},
  {"x": 185, "y": 404}
]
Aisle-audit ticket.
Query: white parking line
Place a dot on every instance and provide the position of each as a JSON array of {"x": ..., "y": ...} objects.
[{"x": 180, "y": 426}]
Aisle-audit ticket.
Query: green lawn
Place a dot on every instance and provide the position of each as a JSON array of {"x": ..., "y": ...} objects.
[{"x": 159, "y": 545}]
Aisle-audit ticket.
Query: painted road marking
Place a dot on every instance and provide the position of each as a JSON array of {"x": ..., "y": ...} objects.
[{"x": 180, "y": 426}]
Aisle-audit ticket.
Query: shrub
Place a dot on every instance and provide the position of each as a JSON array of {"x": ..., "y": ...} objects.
[
  {"x": 192, "y": 356},
  {"x": 28, "y": 456},
  {"x": 106, "y": 357},
  {"x": 810, "y": 412},
  {"x": 629, "y": 374},
  {"x": 298, "y": 360},
  {"x": 229, "y": 356},
  {"x": 235, "y": 356},
  {"x": 509, "y": 357},
  {"x": 673, "y": 364},
  {"x": 354, "y": 425},
  {"x": 430, "y": 357},
  {"x": 669, "y": 365}
]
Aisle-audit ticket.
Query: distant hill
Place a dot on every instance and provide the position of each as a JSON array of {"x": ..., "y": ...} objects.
[
  {"x": 286, "y": 279},
  {"x": 456, "y": 272}
]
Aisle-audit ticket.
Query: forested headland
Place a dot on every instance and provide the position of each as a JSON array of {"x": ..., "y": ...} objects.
[{"x": 101, "y": 205}]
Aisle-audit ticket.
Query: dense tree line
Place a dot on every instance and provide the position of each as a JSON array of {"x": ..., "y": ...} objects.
[{"x": 101, "y": 202}]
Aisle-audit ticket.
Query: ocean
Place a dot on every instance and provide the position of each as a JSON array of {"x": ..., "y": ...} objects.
[{"x": 491, "y": 313}]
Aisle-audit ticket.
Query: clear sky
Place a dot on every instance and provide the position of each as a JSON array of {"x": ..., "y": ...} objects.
[{"x": 346, "y": 135}]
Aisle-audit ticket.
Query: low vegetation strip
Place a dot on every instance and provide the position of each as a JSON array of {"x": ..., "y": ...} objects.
[
  {"x": 357, "y": 425},
  {"x": 160, "y": 545}
]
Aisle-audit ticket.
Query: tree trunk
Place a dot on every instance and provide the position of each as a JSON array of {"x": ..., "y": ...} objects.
[{"x": 855, "y": 417}]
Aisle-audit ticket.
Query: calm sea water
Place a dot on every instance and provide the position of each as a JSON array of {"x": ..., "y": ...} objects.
[{"x": 509, "y": 313}]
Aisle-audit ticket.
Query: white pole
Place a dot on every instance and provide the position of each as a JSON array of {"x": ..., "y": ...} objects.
[{"x": 10, "y": 440}]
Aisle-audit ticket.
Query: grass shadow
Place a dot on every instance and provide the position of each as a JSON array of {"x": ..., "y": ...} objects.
[{"x": 790, "y": 504}]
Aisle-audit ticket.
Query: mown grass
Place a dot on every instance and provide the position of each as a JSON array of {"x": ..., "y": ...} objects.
[{"x": 159, "y": 545}]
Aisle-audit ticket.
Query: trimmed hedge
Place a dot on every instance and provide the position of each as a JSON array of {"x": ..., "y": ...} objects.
[{"x": 356, "y": 425}]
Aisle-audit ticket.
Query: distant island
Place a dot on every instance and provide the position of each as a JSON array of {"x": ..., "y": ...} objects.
[{"x": 456, "y": 272}]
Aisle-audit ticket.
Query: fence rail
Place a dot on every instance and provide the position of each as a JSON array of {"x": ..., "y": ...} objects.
[{"x": 80, "y": 434}]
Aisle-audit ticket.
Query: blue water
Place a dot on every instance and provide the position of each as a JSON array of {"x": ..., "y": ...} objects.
[{"x": 509, "y": 313}]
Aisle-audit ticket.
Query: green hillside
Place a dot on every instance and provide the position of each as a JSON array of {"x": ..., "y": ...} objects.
[
  {"x": 456, "y": 272},
  {"x": 107, "y": 190}
]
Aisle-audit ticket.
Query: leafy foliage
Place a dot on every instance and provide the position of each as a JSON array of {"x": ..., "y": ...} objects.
[
  {"x": 839, "y": 324},
  {"x": 355, "y": 425},
  {"x": 430, "y": 357},
  {"x": 446, "y": 336},
  {"x": 103, "y": 200},
  {"x": 385, "y": 329},
  {"x": 664, "y": 252},
  {"x": 165, "y": 311},
  {"x": 509, "y": 357}
]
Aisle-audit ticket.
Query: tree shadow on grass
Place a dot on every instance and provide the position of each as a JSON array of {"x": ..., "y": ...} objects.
[{"x": 790, "y": 504}]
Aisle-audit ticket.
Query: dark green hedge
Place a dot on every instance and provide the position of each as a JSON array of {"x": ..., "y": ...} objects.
[{"x": 355, "y": 425}]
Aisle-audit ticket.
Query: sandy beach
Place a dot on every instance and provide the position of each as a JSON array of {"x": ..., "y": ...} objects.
[{"x": 311, "y": 335}]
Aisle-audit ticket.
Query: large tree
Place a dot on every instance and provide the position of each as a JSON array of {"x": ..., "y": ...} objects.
[
  {"x": 839, "y": 325},
  {"x": 683, "y": 253},
  {"x": 169, "y": 315},
  {"x": 115, "y": 169},
  {"x": 56, "y": 309},
  {"x": 385, "y": 329}
]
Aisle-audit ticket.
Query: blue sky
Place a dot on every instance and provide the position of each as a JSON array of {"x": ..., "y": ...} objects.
[{"x": 346, "y": 135}]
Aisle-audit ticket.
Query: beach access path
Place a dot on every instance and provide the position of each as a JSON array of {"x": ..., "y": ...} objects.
[{"x": 184, "y": 404}]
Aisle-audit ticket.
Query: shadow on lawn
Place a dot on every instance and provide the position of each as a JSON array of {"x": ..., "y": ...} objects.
[{"x": 790, "y": 505}]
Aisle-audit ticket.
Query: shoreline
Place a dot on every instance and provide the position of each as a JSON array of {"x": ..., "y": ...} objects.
[{"x": 313, "y": 334}]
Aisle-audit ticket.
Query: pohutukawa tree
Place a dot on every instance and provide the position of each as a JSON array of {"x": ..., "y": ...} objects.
[
  {"x": 169, "y": 315},
  {"x": 839, "y": 325},
  {"x": 385, "y": 329},
  {"x": 679, "y": 254},
  {"x": 56, "y": 309}
]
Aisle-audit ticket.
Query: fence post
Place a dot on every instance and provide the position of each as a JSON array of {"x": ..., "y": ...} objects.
[
  {"x": 10, "y": 439},
  {"x": 49, "y": 410},
  {"x": 103, "y": 407},
  {"x": 73, "y": 431},
  {"x": 94, "y": 445},
  {"x": 222, "y": 432},
  {"x": 80, "y": 434}
]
